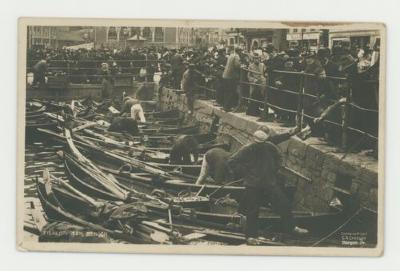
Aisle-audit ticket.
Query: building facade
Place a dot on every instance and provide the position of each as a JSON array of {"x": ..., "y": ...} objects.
[
  {"x": 360, "y": 38},
  {"x": 56, "y": 36},
  {"x": 256, "y": 38},
  {"x": 42, "y": 36},
  {"x": 310, "y": 39},
  {"x": 171, "y": 37},
  {"x": 209, "y": 37},
  {"x": 235, "y": 38}
]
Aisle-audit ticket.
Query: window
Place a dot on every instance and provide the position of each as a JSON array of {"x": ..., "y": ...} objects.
[
  {"x": 135, "y": 31},
  {"x": 147, "y": 33},
  {"x": 159, "y": 34},
  {"x": 124, "y": 33},
  {"x": 360, "y": 41},
  {"x": 112, "y": 33}
]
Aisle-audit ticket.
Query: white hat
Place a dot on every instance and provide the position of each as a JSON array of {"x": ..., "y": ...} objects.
[{"x": 260, "y": 136}]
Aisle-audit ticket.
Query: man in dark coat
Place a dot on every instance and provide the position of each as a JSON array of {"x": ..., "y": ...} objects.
[
  {"x": 128, "y": 102},
  {"x": 230, "y": 77},
  {"x": 106, "y": 81},
  {"x": 219, "y": 68},
  {"x": 215, "y": 161},
  {"x": 39, "y": 72},
  {"x": 183, "y": 148},
  {"x": 177, "y": 68},
  {"x": 258, "y": 164},
  {"x": 122, "y": 124},
  {"x": 188, "y": 85},
  {"x": 215, "y": 166}
]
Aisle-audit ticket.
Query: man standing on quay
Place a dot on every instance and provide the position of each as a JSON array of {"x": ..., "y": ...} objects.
[
  {"x": 258, "y": 164},
  {"x": 230, "y": 78}
]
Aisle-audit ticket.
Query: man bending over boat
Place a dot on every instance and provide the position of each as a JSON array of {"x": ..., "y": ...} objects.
[
  {"x": 184, "y": 147},
  {"x": 123, "y": 124},
  {"x": 215, "y": 160},
  {"x": 132, "y": 107},
  {"x": 215, "y": 166},
  {"x": 258, "y": 164}
]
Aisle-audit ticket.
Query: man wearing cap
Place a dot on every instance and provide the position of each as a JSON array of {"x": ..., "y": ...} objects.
[
  {"x": 215, "y": 166},
  {"x": 215, "y": 161},
  {"x": 256, "y": 77},
  {"x": 39, "y": 72},
  {"x": 177, "y": 67},
  {"x": 187, "y": 85},
  {"x": 230, "y": 79},
  {"x": 220, "y": 66},
  {"x": 122, "y": 124},
  {"x": 258, "y": 164},
  {"x": 132, "y": 106},
  {"x": 184, "y": 147},
  {"x": 107, "y": 88}
]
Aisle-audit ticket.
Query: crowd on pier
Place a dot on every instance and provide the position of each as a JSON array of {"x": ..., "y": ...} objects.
[
  {"x": 209, "y": 63},
  {"x": 254, "y": 81},
  {"x": 240, "y": 80}
]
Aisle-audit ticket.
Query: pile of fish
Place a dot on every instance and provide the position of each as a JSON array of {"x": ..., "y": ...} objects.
[{"x": 119, "y": 187}]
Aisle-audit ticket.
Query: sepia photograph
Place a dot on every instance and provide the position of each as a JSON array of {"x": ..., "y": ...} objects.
[{"x": 200, "y": 137}]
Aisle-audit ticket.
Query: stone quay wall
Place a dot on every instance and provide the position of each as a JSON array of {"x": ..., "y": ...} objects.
[
  {"x": 74, "y": 91},
  {"x": 331, "y": 172}
]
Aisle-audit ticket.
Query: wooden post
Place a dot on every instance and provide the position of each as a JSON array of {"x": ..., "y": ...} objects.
[
  {"x": 345, "y": 118},
  {"x": 266, "y": 107},
  {"x": 299, "y": 114},
  {"x": 239, "y": 91},
  {"x": 68, "y": 71}
]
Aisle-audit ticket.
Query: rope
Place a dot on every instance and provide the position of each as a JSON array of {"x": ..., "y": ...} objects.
[
  {"x": 253, "y": 100},
  {"x": 222, "y": 186},
  {"x": 210, "y": 89},
  {"x": 337, "y": 229},
  {"x": 281, "y": 108},
  {"x": 284, "y": 90},
  {"x": 361, "y": 132},
  {"x": 310, "y": 75},
  {"x": 251, "y": 71},
  {"x": 252, "y": 84},
  {"x": 363, "y": 108}
]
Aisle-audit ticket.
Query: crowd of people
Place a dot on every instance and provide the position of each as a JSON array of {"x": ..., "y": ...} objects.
[
  {"x": 237, "y": 79},
  {"x": 256, "y": 166},
  {"x": 89, "y": 66},
  {"x": 230, "y": 75},
  {"x": 329, "y": 78}
]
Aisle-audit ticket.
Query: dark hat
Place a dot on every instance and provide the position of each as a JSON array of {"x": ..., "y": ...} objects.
[
  {"x": 323, "y": 52},
  {"x": 293, "y": 52},
  {"x": 269, "y": 48},
  {"x": 337, "y": 50}
]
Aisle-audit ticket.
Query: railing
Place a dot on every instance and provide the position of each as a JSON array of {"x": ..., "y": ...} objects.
[
  {"x": 89, "y": 71},
  {"x": 297, "y": 100},
  {"x": 300, "y": 99}
]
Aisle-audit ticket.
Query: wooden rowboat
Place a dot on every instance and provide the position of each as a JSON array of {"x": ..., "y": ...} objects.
[{"x": 56, "y": 211}]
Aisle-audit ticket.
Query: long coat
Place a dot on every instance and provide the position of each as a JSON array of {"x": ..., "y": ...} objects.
[{"x": 257, "y": 164}]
